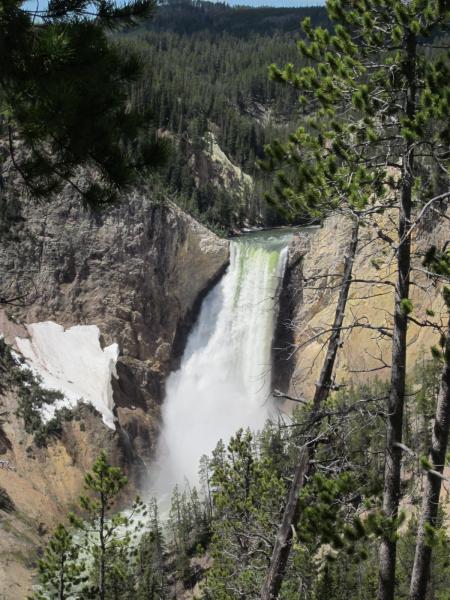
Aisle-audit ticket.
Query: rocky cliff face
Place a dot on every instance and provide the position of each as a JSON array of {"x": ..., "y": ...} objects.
[
  {"x": 310, "y": 291},
  {"x": 138, "y": 271}
]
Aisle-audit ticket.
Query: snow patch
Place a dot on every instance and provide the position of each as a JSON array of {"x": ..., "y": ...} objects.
[{"x": 72, "y": 362}]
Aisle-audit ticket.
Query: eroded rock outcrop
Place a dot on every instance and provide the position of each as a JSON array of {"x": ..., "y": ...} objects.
[{"x": 137, "y": 272}]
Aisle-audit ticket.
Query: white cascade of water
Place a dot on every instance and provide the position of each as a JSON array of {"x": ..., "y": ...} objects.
[{"x": 224, "y": 378}]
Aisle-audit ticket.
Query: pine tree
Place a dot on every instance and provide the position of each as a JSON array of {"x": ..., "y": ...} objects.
[
  {"x": 152, "y": 571},
  {"x": 378, "y": 107},
  {"x": 97, "y": 559},
  {"x": 108, "y": 538},
  {"x": 64, "y": 97},
  {"x": 60, "y": 570},
  {"x": 205, "y": 481},
  {"x": 246, "y": 494},
  {"x": 428, "y": 524},
  {"x": 180, "y": 525}
]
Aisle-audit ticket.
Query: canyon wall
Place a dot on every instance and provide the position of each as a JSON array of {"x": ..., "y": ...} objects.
[
  {"x": 138, "y": 271},
  {"x": 310, "y": 291}
]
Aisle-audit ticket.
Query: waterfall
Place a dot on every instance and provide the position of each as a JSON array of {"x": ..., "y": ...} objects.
[{"x": 223, "y": 382}]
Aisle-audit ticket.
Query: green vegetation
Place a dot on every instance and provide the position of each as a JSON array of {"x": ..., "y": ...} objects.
[
  {"x": 32, "y": 398},
  {"x": 94, "y": 559},
  {"x": 325, "y": 505},
  {"x": 194, "y": 68},
  {"x": 194, "y": 16},
  {"x": 221, "y": 536},
  {"x": 59, "y": 570},
  {"x": 376, "y": 103},
  {"x": 205, "y": 70},
  {"x": 64, "y": 98}
]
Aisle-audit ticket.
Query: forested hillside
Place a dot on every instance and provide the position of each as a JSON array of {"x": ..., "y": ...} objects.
[
  {"x": 193, "y": 16},
  {"x": 214, "y": 541},
  {"x": 206, "y": 72}
]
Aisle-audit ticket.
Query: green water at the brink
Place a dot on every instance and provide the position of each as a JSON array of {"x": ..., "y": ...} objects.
[{"x": 271, "y": 239}]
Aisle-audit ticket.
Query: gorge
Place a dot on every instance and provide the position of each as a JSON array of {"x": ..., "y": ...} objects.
[
  {"x": 226, "y": 294},
  {"x": 189, "y": 311}
]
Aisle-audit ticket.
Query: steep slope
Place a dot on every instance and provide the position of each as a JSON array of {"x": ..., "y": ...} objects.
[
  {"x": 206, "y": 73},
  {"x": 310, "y": 292},
  {"x": 138, "y": 272}
]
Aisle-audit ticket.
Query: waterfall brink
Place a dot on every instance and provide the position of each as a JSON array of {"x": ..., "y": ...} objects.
[{"x": 225, "y": 374}]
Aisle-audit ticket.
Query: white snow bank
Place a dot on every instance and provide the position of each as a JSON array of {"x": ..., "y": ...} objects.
[{"x": 72, "y": 362}]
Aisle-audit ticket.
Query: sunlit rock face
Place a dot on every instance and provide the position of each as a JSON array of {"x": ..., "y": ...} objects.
[
  {"x": 137, "y": 272},
  {"x": 313, "y": 276},
  {"x": 121, "y": 289}
]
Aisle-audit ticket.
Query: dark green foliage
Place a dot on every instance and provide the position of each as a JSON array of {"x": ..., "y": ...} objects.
[
  {"x": 104, "y": 481},
  {"x": 346, "y": 577},
  {"x": 32, "y": 398},
  {"x": 109, "y": 538},
  {"x": 6, "y": 503},
  {"x": 376, "y": 108},
  {"x": 440, "y": 576},
  {"x": 421, "y": 406},
  {"x": 107, "y": 554},
  {"x": 98, "y": 558},
  {"x": 247, "y": 496},
  {"x": 353, "y": 101},
  {"x": 60, "y": 571},
  {"x": 334, "y": 554},
  {"x": 151, "y": 571},
  {"x": 215, "y": 80},
  {"x": 438, "y": 263},
  {"x": 107, "y": 13},
  {"x": 335, "y": 542},
  {"x": 80, "y": 114},
  {"x": 190, "y": 17},
  {"x": 189, "y": 528},
  {"x": 64, "y": 94}
]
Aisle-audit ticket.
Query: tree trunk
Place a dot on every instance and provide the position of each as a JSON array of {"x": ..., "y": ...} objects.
[
  {"x": 392, "y": 469},
  {"x": 282, "y": 546},
  {"x": 61, "y": 587},
  {"x": 101, "y": 586},
  {"x": 432, "y": 488}
]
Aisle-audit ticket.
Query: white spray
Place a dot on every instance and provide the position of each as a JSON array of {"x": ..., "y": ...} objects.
[{"x": 224, "y": 379}]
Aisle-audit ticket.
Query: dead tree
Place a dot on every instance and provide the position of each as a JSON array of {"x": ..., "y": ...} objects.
[{"x": 282, "y": 546}]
